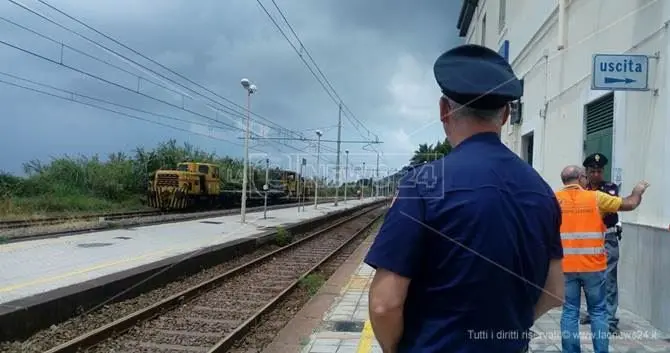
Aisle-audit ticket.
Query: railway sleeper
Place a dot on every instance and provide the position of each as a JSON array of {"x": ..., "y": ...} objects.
[{"x": 190, "y": 316}]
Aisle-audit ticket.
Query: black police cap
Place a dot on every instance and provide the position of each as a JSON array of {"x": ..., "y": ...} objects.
[
  {"x": 477, "y": 76},
  {"x": 595, "y": 160}
]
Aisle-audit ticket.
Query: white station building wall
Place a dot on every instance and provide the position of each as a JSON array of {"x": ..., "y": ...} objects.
[{"x": 557, "y": 86}]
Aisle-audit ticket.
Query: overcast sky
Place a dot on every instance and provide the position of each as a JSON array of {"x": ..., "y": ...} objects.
[{"x": 377, "y": 55}]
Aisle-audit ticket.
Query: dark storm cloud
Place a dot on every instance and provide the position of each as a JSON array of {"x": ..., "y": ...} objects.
[{"x": 377, "y": 54}]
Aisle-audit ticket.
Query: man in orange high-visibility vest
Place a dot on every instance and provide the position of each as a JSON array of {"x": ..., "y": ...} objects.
[{"x": 584, "y": 256}]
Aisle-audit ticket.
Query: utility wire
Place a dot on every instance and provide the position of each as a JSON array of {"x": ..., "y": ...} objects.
[
  {"x": 40, "y": 56},
  {"x": 72, "y": 96},
  {"x": 113, "y": 111},
  {"x": 136, "y": 63},
  {"x": 126, "y": 88},
  {"x": 290, "y": 132},
  {"x": 337, "y": 100},
  {"x": 226, "y": 110},
  {"x": 63, "y": 45},
  {"x": 230, "y": 111},
  {"x": 302, "y": 46}
]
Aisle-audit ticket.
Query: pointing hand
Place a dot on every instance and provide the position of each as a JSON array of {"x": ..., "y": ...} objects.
[{"x": 641, "y": 187}]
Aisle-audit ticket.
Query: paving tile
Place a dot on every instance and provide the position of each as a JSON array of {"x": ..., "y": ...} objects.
[
  {"x": 317, "y": 348},
  {"x": 327, "y": 341},
  {"x": 349, "y": 343},
  {"x": 637, "y": 334},
  {"x": 543, "y": 347}
]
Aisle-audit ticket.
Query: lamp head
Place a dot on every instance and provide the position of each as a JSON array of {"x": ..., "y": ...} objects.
[
  {"x": 346, "y": 151},
  {"x": 245, "y": 83},
  {"x": 252, "y": 89},
  {"x": 318, "y": 133}
]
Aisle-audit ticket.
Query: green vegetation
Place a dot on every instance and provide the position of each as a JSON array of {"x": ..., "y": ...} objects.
[
  {"x": 283, "y": 237},
  {"x": 88, "y": 184},
  {"x": 429, "y": 153},
  {"x": 304, "y": 341},
  {"x": 312, "y": 283}
]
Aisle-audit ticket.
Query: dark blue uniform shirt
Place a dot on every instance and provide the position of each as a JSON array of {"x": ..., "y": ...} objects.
[
  {"x": 610, "y": 219},
  {"x": 475, "y": 232}
]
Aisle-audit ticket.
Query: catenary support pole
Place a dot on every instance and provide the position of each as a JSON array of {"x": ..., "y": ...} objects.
[
  {"x": 337, "y": 163},
  {"x": 266, "y": 187}
]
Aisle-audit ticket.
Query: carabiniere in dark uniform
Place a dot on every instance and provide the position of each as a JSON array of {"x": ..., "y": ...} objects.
[{"x": 594, "y": 165}]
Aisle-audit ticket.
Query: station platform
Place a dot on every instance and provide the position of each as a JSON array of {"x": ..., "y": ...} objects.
[
  {"x": 36, "y": 266},
  {"x": 345, "y": 327}
]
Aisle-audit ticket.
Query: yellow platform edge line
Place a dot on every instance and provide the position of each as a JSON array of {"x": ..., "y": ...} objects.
[
  {"x": 348, "y": 285},
  {"x": 367, "y": 335}
]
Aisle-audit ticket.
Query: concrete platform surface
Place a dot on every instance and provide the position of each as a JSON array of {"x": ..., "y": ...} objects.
[
  {"x": 346, "y": 329},
  {"x": 32, "y": 267}
]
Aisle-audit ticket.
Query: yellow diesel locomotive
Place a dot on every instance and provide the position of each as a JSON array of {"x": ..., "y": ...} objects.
[{"x": 194, "y": 185}]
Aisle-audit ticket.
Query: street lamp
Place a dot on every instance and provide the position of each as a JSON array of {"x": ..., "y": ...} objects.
[
  {"x": 251, "y": 89},
  {"x": 346, "y": 174},
  {"x": 316, "y": 181}
]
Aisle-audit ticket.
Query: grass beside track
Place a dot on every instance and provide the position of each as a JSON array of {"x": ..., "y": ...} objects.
[
  {"x": 66, "y": 206},
  {"x": 72, "y": 185}
]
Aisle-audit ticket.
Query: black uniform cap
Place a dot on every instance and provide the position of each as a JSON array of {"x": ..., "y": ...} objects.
[
  {"x": 596, "y": 160},
  {"x": 477, "y": 76}
]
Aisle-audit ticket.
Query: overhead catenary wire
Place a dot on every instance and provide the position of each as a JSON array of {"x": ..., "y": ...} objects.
[
  {"x": 140, "y": 54},
  {"x": 303, "y": 47},
  {"x": 230, "y": 112},
  {"x": 132, "y": 90},
  {"x": 131, "y": 116},
  {"x": 336, "y": 98},
  {"x": 140, "y": 66},
  {"x": 218, "y": 108},
  {"x": 111, "y": 110},
  {"x": 42, "y": 57},
  {"x": 223, "y": 109},
  {"x": 73, "y": 94}
]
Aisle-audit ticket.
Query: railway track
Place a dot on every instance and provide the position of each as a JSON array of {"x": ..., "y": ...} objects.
[
  {"x": 216, "y": 313},
  {"x": 47, "y": 221},
  {"x": 118, "y": 216}
]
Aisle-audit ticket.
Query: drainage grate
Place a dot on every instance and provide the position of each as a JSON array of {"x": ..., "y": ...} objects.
[
  {"x": 348, "y": 326},
  {"x": 211, "y": 222},
  {"x": 93, "y": 245},
  {"x": 124, "y": 238}
]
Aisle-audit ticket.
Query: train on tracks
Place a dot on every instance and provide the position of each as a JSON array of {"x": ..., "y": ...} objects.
[{"x": 194, "y": 185}]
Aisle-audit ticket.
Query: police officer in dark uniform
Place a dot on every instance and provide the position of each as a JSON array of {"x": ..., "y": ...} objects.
[
  {"x": 594, "y": 164},
  {"x": 469, "y": 254}
]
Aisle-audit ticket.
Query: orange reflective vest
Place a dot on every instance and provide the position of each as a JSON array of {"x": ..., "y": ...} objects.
[{"x": 582, "y": 231}]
